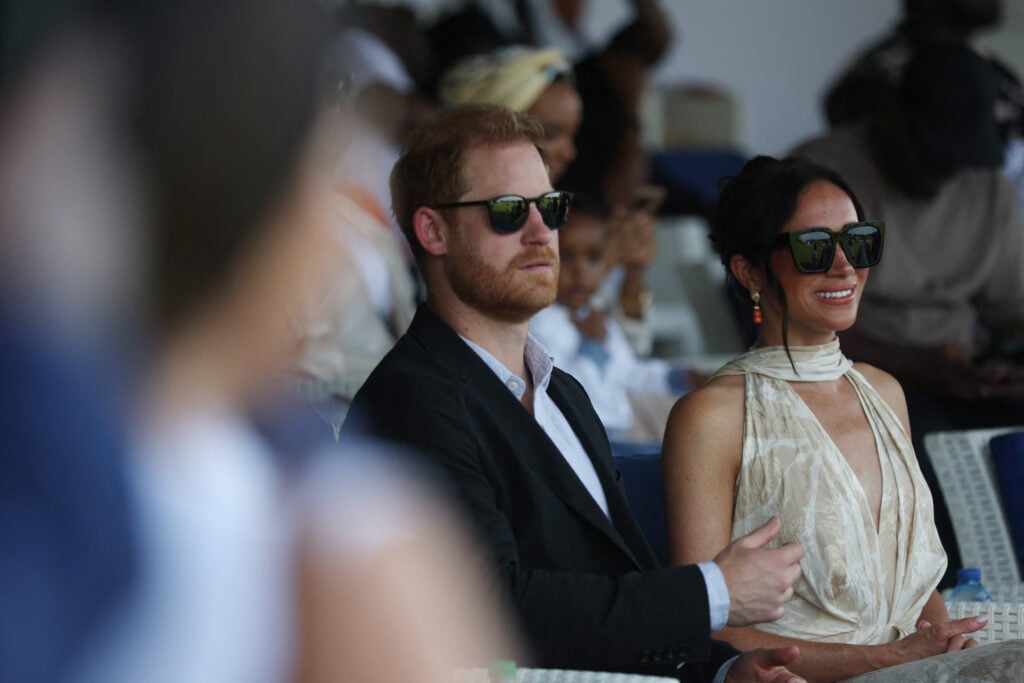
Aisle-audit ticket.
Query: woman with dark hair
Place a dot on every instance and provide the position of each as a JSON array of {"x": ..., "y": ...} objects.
[{"x": 792, "y": 428}]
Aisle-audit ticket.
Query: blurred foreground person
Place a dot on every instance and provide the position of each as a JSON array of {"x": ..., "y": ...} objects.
[
  {"x": 68, "y": 552},
  {"x": 211, "y": 173}
]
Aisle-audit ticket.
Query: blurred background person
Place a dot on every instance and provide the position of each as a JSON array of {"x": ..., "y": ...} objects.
[
  {"x": 532, "y": 80},
  {"x": 612, "y": 163},
  {"x": 632, "y": 396},
  {"x": 864, "y": 85},
  {"x": 347, "y": 322},
  {"x": 568, "y": 25},
  {"x": 385, "y": 61}
]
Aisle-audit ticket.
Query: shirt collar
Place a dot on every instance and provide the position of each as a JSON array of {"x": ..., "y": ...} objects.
[{"x": 538, "y": 362}]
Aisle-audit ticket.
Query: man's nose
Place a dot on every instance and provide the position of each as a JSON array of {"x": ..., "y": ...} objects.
[{"x": 535, "y": 230}]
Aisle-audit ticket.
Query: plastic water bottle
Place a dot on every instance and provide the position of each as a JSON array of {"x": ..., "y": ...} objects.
[{"x": 968, "y": 587}]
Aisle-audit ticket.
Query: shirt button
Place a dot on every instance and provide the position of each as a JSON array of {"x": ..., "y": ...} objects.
[{"x": 512, "y": 384}]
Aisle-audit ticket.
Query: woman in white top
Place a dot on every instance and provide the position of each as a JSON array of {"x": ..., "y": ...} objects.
[{"x": 794, "y": 429}]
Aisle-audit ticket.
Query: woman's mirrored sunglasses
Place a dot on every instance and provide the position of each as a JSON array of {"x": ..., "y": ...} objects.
[
  {"x": 814, "y": 249},
  {"x": 508, "y": 213}
]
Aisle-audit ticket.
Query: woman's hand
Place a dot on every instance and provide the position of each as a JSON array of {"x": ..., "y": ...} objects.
[
  {"x": 956, "y": 642},
  {"x": 935, "y": 640}
]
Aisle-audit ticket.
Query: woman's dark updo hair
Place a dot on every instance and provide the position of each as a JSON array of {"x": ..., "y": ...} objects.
[{"x": 755, "y": 204}]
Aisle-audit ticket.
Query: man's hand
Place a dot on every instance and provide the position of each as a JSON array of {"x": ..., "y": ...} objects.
[
  {"x": 765, "y": 666},
  {"x": 760, "y": 580}
]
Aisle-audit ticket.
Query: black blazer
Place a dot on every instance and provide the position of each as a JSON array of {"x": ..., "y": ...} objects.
[{"x": 588, "y": 590}]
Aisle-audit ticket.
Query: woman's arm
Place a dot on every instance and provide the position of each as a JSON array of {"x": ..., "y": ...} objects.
[
  {"x": 934, "y": 611},
  {"x": 700, "y": 461}
]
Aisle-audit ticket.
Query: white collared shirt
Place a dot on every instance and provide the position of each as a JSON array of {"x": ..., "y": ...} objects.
[
  {"x": 547, "y": 414},
  {"x": 554, "y": 424}
]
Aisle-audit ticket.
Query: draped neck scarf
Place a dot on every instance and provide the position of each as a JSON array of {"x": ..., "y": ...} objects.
[{"x": 821, "y": 363}]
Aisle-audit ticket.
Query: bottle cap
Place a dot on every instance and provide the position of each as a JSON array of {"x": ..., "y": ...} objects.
[
  {"x": 968, "y": 574},
  {"x": 502, "y": 670}
]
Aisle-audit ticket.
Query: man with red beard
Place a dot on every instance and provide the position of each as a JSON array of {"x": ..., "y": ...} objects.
[{"x": 470, "y": 390}]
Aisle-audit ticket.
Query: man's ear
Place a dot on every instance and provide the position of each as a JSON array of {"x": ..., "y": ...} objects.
[
  {"x": 750, "y": 277},
  {"x": 430, "y": 231}
]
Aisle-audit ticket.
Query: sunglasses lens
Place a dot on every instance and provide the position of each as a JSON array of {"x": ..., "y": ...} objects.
[
  {"x": 812, "y": 250},
  {"x": 554, "y": 208},
  {"x": 862, "y": 245},
  {"x": 508, "y": 213}
]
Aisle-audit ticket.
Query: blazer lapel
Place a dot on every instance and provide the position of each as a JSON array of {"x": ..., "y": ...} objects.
[
  {"x": 539, "y": 453},
  {"x": 597, "y": 447}
]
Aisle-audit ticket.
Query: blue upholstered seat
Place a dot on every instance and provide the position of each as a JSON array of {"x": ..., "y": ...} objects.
[
  {"x": 641, "y": 476},
  {"x": 1008, "y": 461}
]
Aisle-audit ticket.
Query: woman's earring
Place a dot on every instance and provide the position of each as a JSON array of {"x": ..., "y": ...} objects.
[{"x": 755, "y": 296}]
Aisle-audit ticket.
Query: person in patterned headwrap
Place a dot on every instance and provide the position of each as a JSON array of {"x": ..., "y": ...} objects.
[{"x": 535, "y": 81}]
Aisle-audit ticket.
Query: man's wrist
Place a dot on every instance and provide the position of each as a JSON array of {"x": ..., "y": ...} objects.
[{"x": 718, "y": 595}]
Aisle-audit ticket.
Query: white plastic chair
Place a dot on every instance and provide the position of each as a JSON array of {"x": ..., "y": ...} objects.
[
  {"x": 1005, "y": 619},
  {"x": 963, "y": 466}
]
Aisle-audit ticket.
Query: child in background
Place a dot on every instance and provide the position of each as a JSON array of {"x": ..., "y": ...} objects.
[{"x": 632, "y": 396}]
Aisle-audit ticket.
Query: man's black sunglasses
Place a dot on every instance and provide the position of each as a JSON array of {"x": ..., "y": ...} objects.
[
  {"x": 814, "y": 249},
  {"x": 509, "y": 212}
]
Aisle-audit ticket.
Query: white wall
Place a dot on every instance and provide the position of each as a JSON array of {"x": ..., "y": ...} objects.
[
  {"x": 1008, "y": 42},
  {"x": 775, "y": 56}
]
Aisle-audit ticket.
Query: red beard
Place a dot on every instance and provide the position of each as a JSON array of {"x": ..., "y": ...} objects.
[{"x": 507, "y": 294}]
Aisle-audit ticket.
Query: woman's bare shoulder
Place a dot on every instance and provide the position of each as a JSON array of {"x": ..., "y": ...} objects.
[
  {"x": 711, "y": 412},
  {"x": 887, "y": 386},
  {"x": 882, "y": 381},
  {"x": 720, "y": 393}
]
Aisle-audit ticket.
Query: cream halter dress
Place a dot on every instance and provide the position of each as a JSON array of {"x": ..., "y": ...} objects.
[{"x": 858, "y": 585}]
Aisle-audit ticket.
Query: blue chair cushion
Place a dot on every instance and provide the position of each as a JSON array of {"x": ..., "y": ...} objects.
[
  {"x": 1008, "y": 461},
  {"x": 699, "y": 170},
  {"x": 641, "y": 477}
]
